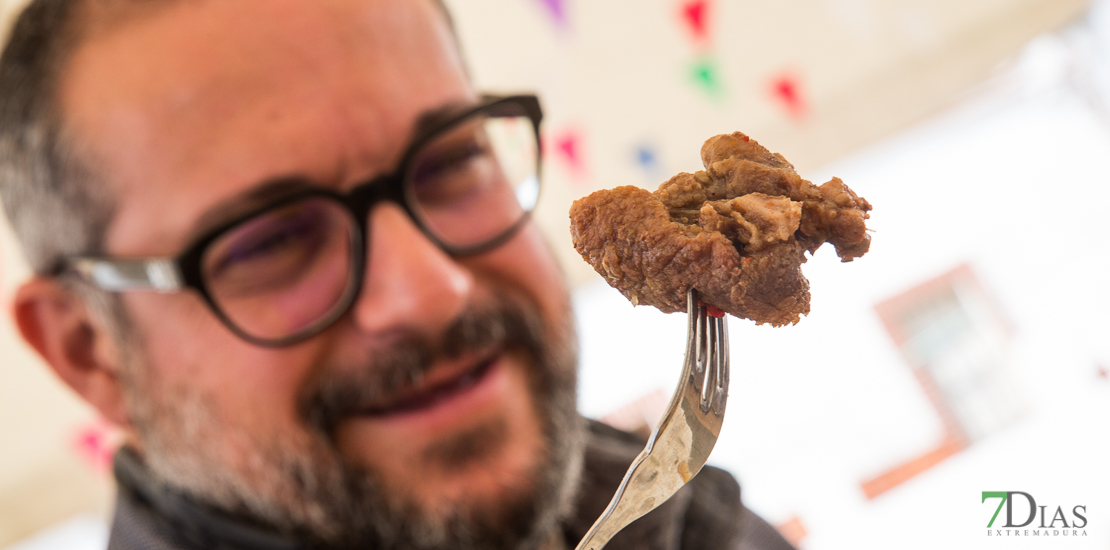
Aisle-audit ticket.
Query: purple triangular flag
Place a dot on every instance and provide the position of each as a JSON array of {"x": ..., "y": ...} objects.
[{"x": 557, "y": 10}]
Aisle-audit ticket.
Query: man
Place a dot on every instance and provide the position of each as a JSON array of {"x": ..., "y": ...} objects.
[{"x": 285, "y": 246}]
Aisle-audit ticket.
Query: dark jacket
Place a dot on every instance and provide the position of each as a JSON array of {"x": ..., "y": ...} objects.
[{"x": 705, "y": 514}]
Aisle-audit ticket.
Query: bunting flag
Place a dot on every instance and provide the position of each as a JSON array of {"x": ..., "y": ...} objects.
[
  {"x": 96, "y": 443},
  {"x": 695, "y": 15},
  {"x": 566, "y": 147},
  {"x": 647, "y": 158},
  {"x": 706, "y": 76},
  {"x": 786, "y": 90},
  {"x": 557, "y": 10}
]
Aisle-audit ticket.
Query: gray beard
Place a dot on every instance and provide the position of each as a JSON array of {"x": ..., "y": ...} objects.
[{"x": 302, "y": 486}]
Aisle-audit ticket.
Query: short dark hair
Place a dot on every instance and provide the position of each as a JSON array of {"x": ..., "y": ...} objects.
[
  {"x": 57, "y": 205},
  {"x": 53, "y": 206}
]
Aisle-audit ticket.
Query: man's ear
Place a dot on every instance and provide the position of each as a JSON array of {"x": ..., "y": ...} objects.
[{"x": 57, "y": 323}]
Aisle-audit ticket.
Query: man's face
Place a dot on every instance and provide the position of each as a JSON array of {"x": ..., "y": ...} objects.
[{"x": 188, "y": 109}]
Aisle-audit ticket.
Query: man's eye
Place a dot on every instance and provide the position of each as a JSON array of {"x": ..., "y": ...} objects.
[
  {"x": 271, "y": 244},
  {"x": 280, "y": 246},
  {"x": 437, "y": 166},
  {"x": 450, "y": 174}
]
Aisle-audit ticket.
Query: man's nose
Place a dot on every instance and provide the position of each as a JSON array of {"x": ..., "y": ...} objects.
[{"x": 410, "y": 285}]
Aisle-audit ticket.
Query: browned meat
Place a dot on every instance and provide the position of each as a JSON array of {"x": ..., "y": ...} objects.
[{"x": 737, "y": 232}]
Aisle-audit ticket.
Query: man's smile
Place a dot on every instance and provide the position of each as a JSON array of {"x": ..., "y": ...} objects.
[
  {"x": 443, "y": 384},
  {"x": 454, "y": 394}
]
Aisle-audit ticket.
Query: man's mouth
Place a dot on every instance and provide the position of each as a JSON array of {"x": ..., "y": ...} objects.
[{"x": 435, "y": 392}]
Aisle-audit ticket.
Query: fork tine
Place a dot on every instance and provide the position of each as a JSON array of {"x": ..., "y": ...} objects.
[
  {"x": 721, "y": 386},
  {"x": 697, "y": 339},
  {"x": 693, "y": 328},
  {"x": 712, "y": 359}
]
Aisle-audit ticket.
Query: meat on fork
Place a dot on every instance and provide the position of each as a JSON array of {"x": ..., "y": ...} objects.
[{"x": 737, "y": 232}]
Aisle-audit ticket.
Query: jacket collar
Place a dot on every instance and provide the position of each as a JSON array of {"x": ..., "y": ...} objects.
[{"x": 189, "y": 523}]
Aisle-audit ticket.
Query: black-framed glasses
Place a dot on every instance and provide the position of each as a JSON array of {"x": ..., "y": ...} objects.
[{"x": 287, "y": 270}]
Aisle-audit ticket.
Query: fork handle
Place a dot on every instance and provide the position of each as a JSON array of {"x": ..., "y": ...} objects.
[
  {"x": 673, "y": 456},
  {"x": 649, "y": 489},
  {"x": 681, "y": 442}
]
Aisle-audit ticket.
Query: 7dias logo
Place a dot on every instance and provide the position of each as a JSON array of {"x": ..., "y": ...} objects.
[{"x": 1052, "y": 524}]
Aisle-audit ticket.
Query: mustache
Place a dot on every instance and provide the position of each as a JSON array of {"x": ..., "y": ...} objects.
[{"x": 504, "y": 325}]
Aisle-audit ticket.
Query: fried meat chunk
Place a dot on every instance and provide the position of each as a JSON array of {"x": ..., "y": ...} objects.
[{"x": 737, "y": 232}]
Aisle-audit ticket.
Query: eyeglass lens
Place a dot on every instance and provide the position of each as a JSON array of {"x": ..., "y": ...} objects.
[
  {"x": 282, "y": 272},
  {"x": 290, "y": 269},
  {"x": 472, "y": 183}
]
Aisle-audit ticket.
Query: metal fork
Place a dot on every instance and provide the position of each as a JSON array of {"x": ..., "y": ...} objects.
[{"x": 681, "y": 443}]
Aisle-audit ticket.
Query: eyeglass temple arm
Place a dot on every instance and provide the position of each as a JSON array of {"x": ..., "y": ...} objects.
[{"x": 158, "y": 274}]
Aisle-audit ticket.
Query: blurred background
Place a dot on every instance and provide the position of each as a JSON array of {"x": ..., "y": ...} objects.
[{"x": 968, "y": 351}]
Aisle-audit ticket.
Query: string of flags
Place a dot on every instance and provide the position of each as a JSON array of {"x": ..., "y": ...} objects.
[
  {"x": 697, "y": 23},
  {"x": 705, "y": 71}
]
